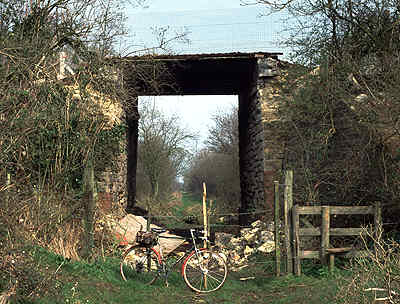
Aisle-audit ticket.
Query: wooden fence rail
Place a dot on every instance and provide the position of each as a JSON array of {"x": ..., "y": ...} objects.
[
  {"x": 326, "y": 253},
  {"x": 293, "y": 233}
]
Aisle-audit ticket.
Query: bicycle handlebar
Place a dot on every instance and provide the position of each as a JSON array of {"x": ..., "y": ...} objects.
[{"x": 193, "y": 233}]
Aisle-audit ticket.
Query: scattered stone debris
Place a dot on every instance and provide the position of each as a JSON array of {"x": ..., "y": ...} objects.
[
  {"x": 236, "y": 250},
  {"x": 259, "y": 238},
  {"x": 125, "y": 231}
]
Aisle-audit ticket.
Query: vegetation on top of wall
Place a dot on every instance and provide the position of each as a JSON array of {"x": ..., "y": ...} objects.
[
  {"x": 57, "y": 91},
  {"x": 340, "y": 116}
]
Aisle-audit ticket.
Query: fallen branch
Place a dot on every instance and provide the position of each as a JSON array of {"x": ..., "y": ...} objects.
[{"x": 246, "y": 279}]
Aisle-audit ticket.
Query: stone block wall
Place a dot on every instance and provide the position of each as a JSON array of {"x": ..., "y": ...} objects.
[
  {"x": 251, "y": 137},
  {"x": 268, "y": 86},
  {"x": 260, "y": 146},
  {"x": 112, "y": 190}
]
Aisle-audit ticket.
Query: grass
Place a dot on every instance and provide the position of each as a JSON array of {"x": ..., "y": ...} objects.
[
  {"x": 190, "y": 199},
  {"x": 57, "y": 280},
  {"x": 100, "y": 282},
  {"x": 186, "y": 212},
  {"x": 190, "y": 204}
]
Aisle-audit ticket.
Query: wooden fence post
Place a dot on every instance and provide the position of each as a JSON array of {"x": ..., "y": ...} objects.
[
  {"x": 325, "y": 234},
  {"x": 8, "y": 183},
  {"x": 90, "y": 202},
  {"x": 296, "y": 241},
  {"x": 277, "y": 225},
  {"x": 205, "y": 225},
  {"x": 378, "y": 224},
  {"x": 378, "y": 220},
  {"x": 210, "y": 221},
  {"x": 205, "y": 214},
  {"x": 288, "y": 204},
  {"x": 325, "y": 231}
]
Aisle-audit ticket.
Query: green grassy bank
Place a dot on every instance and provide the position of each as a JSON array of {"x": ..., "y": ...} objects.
[{"x": 56, "y": 280}]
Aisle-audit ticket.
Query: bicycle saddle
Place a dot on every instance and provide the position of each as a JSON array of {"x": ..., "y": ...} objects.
[{"x": 158, "y": 230}]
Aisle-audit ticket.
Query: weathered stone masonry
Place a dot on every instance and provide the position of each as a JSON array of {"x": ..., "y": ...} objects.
[
  {"x": 251, "y": 77},
  {"x": 268, "y": 90},
  {"x": 251, "y": 146}
]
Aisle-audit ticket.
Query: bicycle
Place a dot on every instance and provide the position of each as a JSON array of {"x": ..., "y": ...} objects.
[{"x": 203, "y": 270}]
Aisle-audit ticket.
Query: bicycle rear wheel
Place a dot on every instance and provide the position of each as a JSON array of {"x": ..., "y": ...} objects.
[
  {"x": 140, "y": 263},
  {"x": 205, "y": 272}
]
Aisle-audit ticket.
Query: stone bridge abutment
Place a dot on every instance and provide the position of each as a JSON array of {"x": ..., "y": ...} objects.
[{"x": 246, "y": 75}]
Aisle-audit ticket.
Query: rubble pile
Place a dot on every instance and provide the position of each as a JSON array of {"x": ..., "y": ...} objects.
[
  {"x": 257, "y": 239},
  {"x": 125, "y": 229}
]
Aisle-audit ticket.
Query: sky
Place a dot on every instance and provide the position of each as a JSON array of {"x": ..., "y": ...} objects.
[
  {"x": 209, "y": 26},
  {"x": 196, "y": 112},
  {"x": 217, "y": 26},
  {"x": 184, "y": 5}
]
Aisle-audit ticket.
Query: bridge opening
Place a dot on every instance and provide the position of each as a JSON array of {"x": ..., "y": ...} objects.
[
  {"x": 201, "y": 145},
  {"x": 216, "y": 74}
]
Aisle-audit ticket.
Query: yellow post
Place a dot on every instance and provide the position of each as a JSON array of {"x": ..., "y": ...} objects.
[
  {"x": 205, "y": 214},
  {"x": 205, "y": 225}
]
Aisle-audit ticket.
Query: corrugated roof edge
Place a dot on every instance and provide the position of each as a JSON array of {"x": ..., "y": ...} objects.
[{"x": 206, "y": 56}]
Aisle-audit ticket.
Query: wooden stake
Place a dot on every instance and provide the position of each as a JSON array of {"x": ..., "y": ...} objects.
[
  {"x": 8, "y": 179},
  {"x": 89, "y": 210},
  {"x": 277, "y": 227},
  {"x": 378, "y": 220},
  {"x": 205, "y": 214},
  {"x": 378, "y": 224},
  {"x": 8, "y": 190},
  {"x": 296, "y": 241},
  {"x": 288, "y": 204},
  {"x": 205, "y": 225},
  {"x": 325, "y": 234},
  {"x": 331, "y": 262}
]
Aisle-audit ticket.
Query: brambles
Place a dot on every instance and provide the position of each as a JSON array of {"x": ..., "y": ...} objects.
[{"x": 375, "y": 277}]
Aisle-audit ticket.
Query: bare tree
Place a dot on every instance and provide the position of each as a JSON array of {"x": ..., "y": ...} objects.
[
  {"x": 218, "y": 163},
  {"x": 57, "y": 88},
  {"x": 223, "y": 137},
  {"x": 163, "y": 146},
  {"x": 340, "y": 115}
]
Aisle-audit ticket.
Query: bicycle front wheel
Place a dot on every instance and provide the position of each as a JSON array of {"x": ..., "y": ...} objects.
[
  {"x": 204, "y": 272},
  {"x": 140, "y": 263}
]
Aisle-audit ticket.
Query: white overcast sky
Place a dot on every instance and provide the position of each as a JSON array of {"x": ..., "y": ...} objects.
[
  {"x": 185, "y": 5},
  {"x": 214, "y": 26},
  {"x": 210, "y": 26},
  {"x": 196, "y": 112}
]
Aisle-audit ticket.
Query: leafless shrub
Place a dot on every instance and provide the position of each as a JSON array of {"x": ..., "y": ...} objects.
[{"x": 376, "y": 278}]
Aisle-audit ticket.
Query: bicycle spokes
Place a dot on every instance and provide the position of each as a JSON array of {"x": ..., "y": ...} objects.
[
  {"x": 140, "y": 263},
  {"x": 205, "y": 272}
]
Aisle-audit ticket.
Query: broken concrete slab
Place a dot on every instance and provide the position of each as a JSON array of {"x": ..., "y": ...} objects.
[{"x": 125, "y": 232}]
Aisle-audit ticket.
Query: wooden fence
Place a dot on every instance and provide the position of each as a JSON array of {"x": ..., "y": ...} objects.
[
  {"x": 326, "y": 252},
  {"x": 293, "y": 232}
]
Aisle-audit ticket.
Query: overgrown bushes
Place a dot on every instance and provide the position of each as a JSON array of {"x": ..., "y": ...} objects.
[
  {"x": 340, "y": 108},
  {"x": 374, "y": 277},
  {"x": 54, "y": 128}
]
